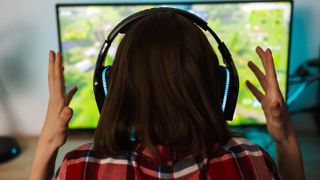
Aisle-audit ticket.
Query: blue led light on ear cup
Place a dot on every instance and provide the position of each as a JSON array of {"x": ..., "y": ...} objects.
[
  {"x": 132, "y": 135},
  {"x": 226, "y": 89},
  {"x": 104, "y": 81}
]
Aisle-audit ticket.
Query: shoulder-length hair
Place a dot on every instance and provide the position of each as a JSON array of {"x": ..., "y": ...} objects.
[{"x": 165, "y": 87}]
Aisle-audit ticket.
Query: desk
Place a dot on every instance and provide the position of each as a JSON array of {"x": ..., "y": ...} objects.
[{"x": 19, "y": 167}]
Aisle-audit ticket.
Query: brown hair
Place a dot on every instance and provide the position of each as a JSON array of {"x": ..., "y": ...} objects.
[{"x": 164, "y": 84}]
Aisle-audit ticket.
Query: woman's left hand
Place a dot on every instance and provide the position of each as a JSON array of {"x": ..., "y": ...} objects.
[{"x": 54, "y": 131}]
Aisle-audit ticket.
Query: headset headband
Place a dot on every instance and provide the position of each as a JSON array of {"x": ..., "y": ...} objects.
[{"x": 124, "y": 25}]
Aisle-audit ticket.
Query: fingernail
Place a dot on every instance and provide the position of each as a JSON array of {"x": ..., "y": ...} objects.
[{"x": 51, "y": 54}]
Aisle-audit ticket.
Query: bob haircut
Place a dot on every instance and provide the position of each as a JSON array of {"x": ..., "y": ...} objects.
[{"x": 165, "y": 88}]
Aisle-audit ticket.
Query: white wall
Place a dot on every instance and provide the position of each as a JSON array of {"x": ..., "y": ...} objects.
[{"x": 28, "y": 31}]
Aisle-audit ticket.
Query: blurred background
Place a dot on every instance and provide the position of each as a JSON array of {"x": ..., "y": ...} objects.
[{"x": 28, "y": 30}]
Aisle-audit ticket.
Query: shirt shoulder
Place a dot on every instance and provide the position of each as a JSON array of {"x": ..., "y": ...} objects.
[
  {"x": 246, "y": 158},
  {"x": 74, "y": 160},
  {"x": 84, "y": 163},
  {"x": 80, "y": 151},
  {"x": 237, "y": 145}
]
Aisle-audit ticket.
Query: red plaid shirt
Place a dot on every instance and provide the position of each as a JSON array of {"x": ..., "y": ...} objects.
[{"x": 238, "y": 159}]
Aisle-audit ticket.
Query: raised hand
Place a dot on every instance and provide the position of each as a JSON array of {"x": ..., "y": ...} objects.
[
  {"x": 58, "y": 113},
  {"x": 279, "y": 125},
  {"x": 273, "y": 105},
  {"x": 54, "y": 132}
]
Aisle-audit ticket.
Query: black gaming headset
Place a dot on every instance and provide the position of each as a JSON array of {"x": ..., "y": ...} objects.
[{"x": 229, "y": 83}]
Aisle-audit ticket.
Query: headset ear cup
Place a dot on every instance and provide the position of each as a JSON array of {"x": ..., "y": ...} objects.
[{"x": 106, "y": 75}]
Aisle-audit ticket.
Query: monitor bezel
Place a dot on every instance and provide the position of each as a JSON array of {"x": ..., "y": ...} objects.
[{"x": 58, "y": 5}]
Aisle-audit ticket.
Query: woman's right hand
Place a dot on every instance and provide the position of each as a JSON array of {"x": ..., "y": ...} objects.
[{"x": 278, "y": 122}]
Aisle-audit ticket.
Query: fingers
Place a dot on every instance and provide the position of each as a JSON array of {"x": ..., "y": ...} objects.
[
  {"x": 70, "y": 94},
  {"x": 258, "y": 73},
  {"x": 254, "y": 91},
  {"x": 268, "y": 64},
  {"x": 270, "y": 70},
  {"x": 52, "y": 57},
  {"x": 261, "y": 55},
  {"x": 58, "y": 74},
  {"x": 55, "y": 76}
]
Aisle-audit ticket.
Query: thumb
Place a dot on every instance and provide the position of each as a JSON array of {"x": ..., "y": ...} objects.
[
  {"x": 65, "y": 116},
  {"x": 275, "y": 110}
]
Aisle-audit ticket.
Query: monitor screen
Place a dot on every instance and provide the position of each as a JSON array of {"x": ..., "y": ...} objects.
[{"x": 242, "y": 26}]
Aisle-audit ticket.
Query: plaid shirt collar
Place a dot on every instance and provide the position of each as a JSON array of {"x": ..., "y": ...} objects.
[{"x": 238, "y": 159}]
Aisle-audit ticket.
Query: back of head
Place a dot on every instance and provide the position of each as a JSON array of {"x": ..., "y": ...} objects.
[{"x": 164, "y": 86}]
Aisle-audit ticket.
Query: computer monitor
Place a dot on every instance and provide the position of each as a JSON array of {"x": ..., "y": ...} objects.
[{"x": 82, "y": 28}]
